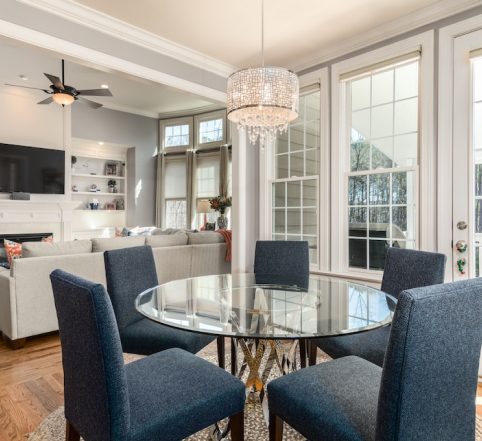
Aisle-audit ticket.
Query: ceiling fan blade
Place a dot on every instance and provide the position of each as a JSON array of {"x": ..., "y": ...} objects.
[
  {"x": 95, "y": 92},
  {"x": 88, "y": 102},
  {"x": 26, "y": 87},
  {"x": 55, "y": 81},
  {"x": 47, "y": 101}
]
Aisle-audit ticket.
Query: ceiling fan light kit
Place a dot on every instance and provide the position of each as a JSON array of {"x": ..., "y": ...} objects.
[
  {"x": 263, "y": 100},
  {"x": 66, "y": 95},
  {"x": 63, "y": 99}
]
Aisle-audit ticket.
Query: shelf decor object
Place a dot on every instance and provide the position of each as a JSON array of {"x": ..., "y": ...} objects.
[{"x": 264, "y": 100}]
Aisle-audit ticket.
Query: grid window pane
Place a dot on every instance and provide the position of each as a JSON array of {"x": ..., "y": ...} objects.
[
  {"x": 176, "y": 135},
  {"x": 211, "y": 131},
  {"x": 176, "y": 214},
  {"x": 296, "y": 214},
  {"x": 360, "y": 94},
  {"x": 295, "y": 201},
  {"x": 303, "y": 134},
  {"x": 384, "y": 135},
  {"x": 382, "y": 88}
]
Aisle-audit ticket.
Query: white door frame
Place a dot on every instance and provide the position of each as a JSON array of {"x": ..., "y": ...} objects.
[{"x": 446, "y": 144}]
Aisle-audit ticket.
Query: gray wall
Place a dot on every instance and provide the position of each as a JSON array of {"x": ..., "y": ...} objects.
[{"x": 112, "y": 126}]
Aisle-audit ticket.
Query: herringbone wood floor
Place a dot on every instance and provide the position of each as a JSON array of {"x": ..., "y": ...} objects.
[{"x": 31, "y": 386}]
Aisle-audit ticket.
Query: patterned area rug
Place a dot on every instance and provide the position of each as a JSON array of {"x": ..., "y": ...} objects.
[{"x": 53, "y": 427}]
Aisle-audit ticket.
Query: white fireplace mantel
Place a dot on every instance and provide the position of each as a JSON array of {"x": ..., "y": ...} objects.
[{"x": 37, "y": 216}]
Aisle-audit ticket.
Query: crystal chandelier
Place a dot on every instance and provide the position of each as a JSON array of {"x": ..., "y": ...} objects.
[{"x": 263, "y": 100}]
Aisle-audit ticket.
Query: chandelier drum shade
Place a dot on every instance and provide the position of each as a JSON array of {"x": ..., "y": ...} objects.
[{"x": 264, "y": 100}]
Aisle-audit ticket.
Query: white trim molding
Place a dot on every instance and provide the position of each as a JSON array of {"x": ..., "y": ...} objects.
[
  {"x": 88, "y": 17},
  {"x": 421, "y": 17},
  {"x": 73, "y": 50}
]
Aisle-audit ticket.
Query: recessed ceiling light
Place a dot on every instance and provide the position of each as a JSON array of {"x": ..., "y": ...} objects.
[
  {"x": 24, "y": 77},
  {"x": 101, "y": 143},
  {"x": 104, "y": 86}
]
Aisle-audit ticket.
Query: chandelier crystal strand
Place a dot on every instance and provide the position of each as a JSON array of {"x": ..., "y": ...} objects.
[{"x": 264, "y": 100}]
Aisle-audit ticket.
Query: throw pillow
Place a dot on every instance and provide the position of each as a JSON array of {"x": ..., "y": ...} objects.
[
  {"x": 4, "y": 265},
  {"x": 14, "y": 249},
  {"x": 121, "y": 232}
]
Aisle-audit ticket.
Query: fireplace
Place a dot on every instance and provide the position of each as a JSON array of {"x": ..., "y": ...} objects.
[{"x": 19, "y": 238}]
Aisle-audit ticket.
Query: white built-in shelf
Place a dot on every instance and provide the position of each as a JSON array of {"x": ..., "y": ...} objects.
[
  {"x": 98, "y": 193},
  {"x": 87, "y": 175}
]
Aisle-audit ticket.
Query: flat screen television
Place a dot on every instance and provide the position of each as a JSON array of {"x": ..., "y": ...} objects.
[{"x": 31, "y": 170}]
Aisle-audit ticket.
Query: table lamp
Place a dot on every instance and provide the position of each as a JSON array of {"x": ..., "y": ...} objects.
[{"x": 204, "y": 207}]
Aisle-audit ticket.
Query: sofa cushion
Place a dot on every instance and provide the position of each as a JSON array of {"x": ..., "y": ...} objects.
[
  {"x": 204, "y": 237},
  {"x": 166, "y": 231},
  {"x": 99, "y": 245},
  {"x": 171, "y": 240},
  {"x": 40, "y": 249}
]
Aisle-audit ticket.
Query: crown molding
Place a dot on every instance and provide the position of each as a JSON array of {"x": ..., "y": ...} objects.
[
  {"x": 429, "y": 14},
  {"x": 190, "y": 112},
  {"x": 85, "y": 16},
  {"x": 58, "y": 45}
]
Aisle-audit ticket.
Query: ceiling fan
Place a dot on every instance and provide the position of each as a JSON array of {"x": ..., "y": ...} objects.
[{"x": 66, "y": 95}]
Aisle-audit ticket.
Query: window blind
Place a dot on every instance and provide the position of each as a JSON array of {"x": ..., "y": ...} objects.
[
  {"x": 208, "y": 177},
  {"x": 175, "y": 180},
  {"x": 475, "y": 54},
  {"x": 383, "y": 65}
]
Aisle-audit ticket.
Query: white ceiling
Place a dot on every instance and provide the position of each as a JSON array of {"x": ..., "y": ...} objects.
[
  {"x": 226, "y": 33},
  {"x": 130, "y": 94},
  {"x": 230, "y": 31}
]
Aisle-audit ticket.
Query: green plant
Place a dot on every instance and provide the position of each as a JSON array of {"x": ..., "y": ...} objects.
[
  {"x": 73, "y": 160},
  {"x": 112, "y": 183},
  {"x": 220, "y": 203}
]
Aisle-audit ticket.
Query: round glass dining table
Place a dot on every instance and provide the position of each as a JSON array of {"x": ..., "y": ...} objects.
[
  {"x": 259, "y": 311},
  {"x": 265, "y": 306}
]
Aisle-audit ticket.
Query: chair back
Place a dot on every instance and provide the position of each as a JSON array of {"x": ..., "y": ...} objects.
[
  {"x": 430, "y": 373},
  {"x": 129, "y": 271},
  {"x": 95, "y": 384},
  {"x": 407, "y": 269},
  {"x": 281, "y": 257}
]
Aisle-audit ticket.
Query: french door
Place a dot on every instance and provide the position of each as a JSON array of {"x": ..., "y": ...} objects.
[{"x": 467, "y": 156}]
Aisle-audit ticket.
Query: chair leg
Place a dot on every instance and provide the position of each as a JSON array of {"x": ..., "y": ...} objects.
[
  {"x": 221, "y": 352},
  {"x": 233, "y": 357},
  {"x": 312, "y": 356},
  {"x": 275, "y": 427},
  {"x": 303, "y": 343},
  {"x": 70, "y": 433},
  {"x": 236, "y": 423}
]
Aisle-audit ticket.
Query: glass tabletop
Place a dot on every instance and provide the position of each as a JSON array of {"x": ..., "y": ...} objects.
[{"x": 267, "y": 306}]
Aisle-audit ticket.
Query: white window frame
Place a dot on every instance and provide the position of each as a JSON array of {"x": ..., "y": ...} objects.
[
  {"x": 163, "y": 124},
  {"x": 198, "y": 119},
  {"x": 340, "y": 152},
  {"x": 267, "y": 173}
]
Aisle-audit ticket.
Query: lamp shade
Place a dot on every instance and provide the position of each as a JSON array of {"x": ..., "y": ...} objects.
[{"x": 204, "y": 207}]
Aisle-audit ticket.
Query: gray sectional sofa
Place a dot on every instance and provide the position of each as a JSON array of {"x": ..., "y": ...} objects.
[{"x": 26, "y": 298}]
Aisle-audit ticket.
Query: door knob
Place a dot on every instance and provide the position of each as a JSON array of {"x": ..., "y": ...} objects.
[{"x": 461, "y": 246}]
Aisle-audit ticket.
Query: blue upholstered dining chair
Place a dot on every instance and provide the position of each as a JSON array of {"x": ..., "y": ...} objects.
[
  {"x": 290, "y": 261},
  {"x": 425, "y": 391},
  {"x": 404, "y": 269},
  {"x": 130, "y": 271},
  {"x": 282, "y": 257},
  {"x": 165, "y": 396}
]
